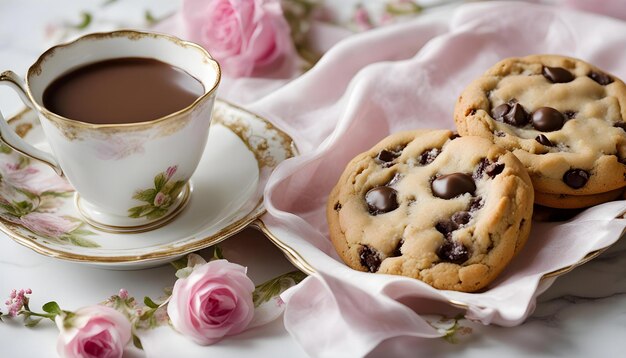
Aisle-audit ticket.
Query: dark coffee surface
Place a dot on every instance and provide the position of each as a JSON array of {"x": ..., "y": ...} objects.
[{"x": 124, "y": 90}]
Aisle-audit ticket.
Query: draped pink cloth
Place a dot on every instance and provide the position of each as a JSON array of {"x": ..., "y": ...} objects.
[{"x": 401, "y": 77}]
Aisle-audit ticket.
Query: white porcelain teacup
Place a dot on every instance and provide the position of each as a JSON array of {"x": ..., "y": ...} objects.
[{"x": 132, "y": 176}]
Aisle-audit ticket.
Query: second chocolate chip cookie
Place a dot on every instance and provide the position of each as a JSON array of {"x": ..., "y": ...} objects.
[{"x": 562, "y": 117}]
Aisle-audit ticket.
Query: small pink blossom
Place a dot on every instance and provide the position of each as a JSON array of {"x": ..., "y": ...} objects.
[
  {"x": 214, "y": 301},
  {"x": 247, "y": 37},
  {"x": 16, "y": 301},
  {"x": 94, "y": 332},
  {"x": 169, "y": 173},
  {"x": 48, "y": 224}
]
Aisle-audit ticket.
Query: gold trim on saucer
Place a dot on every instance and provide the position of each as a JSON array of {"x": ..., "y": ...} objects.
[
  {"x": 183, "y": 197},
  {"x": 292, "y": 255}
]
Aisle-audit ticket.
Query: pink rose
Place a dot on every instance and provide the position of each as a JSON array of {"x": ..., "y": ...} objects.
[
  {"x": 214, "y": 301},
  {"x": 29, "y": 178},
  {"x": 48, "y": 224},
  {"x": 247, "y": 37},
  {"x": 94, "y": 332}
]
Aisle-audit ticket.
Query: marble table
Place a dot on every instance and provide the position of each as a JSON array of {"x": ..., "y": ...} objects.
[{"x": 582, "y": 315}]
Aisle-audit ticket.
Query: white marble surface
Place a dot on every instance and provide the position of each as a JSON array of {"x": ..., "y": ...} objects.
[{"x": 582, "y": 315}]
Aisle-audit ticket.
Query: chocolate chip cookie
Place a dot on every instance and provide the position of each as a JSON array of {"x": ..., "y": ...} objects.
[
  {"x": 562, "y": 117},
  {"x": 450, "y": 211}
]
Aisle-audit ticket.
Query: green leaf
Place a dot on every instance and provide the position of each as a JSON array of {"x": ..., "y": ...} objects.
[
  {"x": 150, "y": 19},
  {"x": 148, "y": 302},
  {"x": 86, "y": 20},
  {"x": 137, "y": 342},
  {"x": 58, "y": 194},
  {"x": 274, "y": 287},
  {"x": 5, "y": 149},
  {"x": 145, "y": 195},
  {"x": 159, "y": 181},
  {"x": 82, "y": 232},
  {"x": 31, "y": 322},
  {"x": 156, "y": 213},
  {"x": 24, "y": 162},
  {"x": 139, "y": 211},
  {"x": 79, "y": 241},
  {"x": 217, "y": 253},
  {"x": 9, "y": 209},
  {"x": 176, "y": 188},
  {"x": 23, "y": 207},
  {"x": 52, "y": 308}
]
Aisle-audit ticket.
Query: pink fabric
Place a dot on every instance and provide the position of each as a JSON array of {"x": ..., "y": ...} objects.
[{"x": 402, "y": 77}]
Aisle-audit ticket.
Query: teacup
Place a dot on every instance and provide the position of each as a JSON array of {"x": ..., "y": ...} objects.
[{"x": 128, "y": 177}]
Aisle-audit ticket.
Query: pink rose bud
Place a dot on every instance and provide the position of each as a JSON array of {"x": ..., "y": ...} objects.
[
  {"x": 214, "y": 301},
  {"x": 123, "y": 293},
  {"x": 247, "y": 37},
  {"x": 169, "y": 173},
  {"x": 95, "y": 332},
  {"x": 160, "y": 199}
]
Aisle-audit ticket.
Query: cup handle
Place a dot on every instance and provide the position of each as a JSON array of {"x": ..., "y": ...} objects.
[{"x": 8, "y": 135}]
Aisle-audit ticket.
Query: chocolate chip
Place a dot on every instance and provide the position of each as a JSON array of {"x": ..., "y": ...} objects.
[
  {"x": 472, "y": 111},
  {"x": 570, "y": 114},
  {"x": 453, "y": 252},
  {"x": 557, "y": 74},
  {"x": 386, "y": 156},
  {"x": 398, "y": 250},
  {"x": 547, "y": 119},
  {"x": 489, "y": 168},
  {"x": 369, "y": 258},
  {"x": 600, "y": 77},
  {"x": 500, "y": 111},
  {"x": 457, "y": 220},
  {"x": 621, "y": 125},
  {"x": 494, "y": 169},
  {"x": 475, "y": 204},
  {"x": 461, "y": 218},
  {"x": 446, "y": 227},
  {"x": 499, "y": 134},
  {"x": 381, "y": 199},
  {"x": 576, "y": 178},
  {"x": 452, "y": 185},
  {"x": 517, "y": 116},
  {"x": 429, "y": 156},
  {"x": 454, "y": 136},
  {"x": 511, "y": 113},
  {"x": 542, "y": 139},
  {"x": 337, "y": 206}
]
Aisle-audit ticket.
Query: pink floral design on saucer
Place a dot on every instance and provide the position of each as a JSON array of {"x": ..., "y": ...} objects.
[{"x": 32, "y": 200}]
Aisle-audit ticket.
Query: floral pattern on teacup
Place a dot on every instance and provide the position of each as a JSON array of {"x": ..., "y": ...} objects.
[
  {"x": 31, "y": 199},
  {"x": 159, "y": 198},
  {"x": 121, "y": 146}
]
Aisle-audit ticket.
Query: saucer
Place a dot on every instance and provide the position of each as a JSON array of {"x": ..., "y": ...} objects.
[{"x": 37, "y": 207}]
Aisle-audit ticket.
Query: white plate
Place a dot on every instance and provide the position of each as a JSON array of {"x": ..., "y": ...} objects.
[{"x": 37, "y": 207}]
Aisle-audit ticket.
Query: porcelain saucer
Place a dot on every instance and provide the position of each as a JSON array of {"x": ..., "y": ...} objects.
[{"x": 37, "y": 207}]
